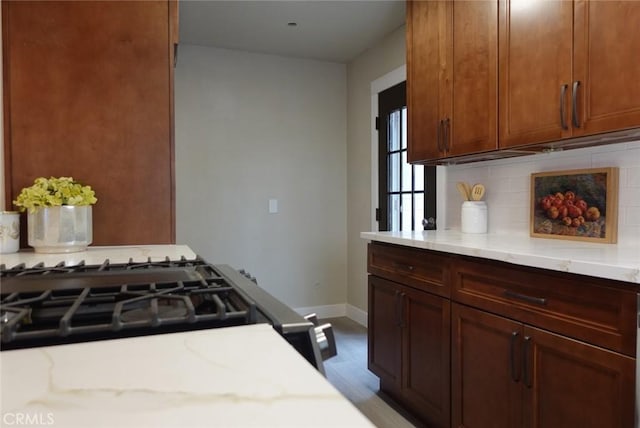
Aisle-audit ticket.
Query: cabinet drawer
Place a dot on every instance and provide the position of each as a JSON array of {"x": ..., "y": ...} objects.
[
  {"x": 594, "y": 310},
  {"x": 422, "y": 269}
]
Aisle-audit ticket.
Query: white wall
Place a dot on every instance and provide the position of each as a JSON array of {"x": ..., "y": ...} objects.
[
  {"x": 386, "y": 56},
  {"x": 508, "y": 186},
  {"x": 2, "y": 193},
  {"x": 253, "y": 127}
]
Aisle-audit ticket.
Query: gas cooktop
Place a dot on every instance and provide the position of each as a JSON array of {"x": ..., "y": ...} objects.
[{"x": 43, "y": 305}]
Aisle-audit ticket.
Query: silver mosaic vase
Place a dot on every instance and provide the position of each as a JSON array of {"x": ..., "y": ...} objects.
[{"x": 63, "y": 229}]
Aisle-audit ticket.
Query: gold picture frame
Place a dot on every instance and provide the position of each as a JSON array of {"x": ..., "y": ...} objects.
[{"x": 579, "y": 205}]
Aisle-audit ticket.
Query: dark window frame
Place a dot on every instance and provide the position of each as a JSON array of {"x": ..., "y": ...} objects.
[{"x": 392, "y": 100}]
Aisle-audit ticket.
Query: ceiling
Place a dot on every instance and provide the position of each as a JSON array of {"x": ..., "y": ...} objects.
[{"x": 336, "y": 31}]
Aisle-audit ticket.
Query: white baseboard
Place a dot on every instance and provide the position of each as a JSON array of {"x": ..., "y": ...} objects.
[
  {"x": 357, "y": 314},
  {"x": 325, "y": 311},
  {"x": 335, "y": 311}
]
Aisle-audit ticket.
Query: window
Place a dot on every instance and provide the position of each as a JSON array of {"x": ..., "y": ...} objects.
[{"x": 406, "y": 192}]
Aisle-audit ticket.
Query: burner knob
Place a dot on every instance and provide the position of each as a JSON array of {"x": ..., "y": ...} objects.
[{"x": 248, "y": 275}]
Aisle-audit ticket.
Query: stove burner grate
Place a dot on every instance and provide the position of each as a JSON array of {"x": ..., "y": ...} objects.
[{"x": 116, "y": 300}]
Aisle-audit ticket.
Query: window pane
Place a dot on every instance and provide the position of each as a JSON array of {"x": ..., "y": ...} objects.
[
  {"x": 394, "y": 172},
  {"x": 406, "y": 211},
  {"x": 394, "y": 131},
  {"x": 404, "y": 127},
  {"x": 406, "y": 174},
  {"x": 418, "y": 174},
  {"x": 419, "y": 211},
  {"x": 394, "y": 213}
]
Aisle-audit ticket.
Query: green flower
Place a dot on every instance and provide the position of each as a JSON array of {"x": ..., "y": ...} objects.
[{"x": 54, "y": 192}]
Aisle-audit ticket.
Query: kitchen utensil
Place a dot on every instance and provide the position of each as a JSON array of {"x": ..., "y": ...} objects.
[
  {"x": 467, "y": 189},
  {"x": 477, "y": 192},
  {"x": 462, "y": 189}
]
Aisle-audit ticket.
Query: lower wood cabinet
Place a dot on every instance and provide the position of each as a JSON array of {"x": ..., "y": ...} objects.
[
  {"x": 384, "y": 331},
  {"x": 409, "y": 348},
  {"x": 511, "y": 347},
  {"x": 509, "y": 374},
  {"x": 484, "y": 393}
]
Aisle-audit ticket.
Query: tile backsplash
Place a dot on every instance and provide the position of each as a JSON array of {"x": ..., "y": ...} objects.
[{"x": 508, "y": 186}]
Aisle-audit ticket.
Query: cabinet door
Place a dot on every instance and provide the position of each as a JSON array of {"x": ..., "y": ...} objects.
[
  {"x": 426, "y": 68},
  {"x": 486, "y": 370},
  {"x": 474, "y": 52},
  {"x": 426, "y": 355},
  {"x": 88, "y": 95},
  {"x": 606, "y": 52},
  {"x": 384, "y": 331},
  {"x": 535, "y": 51},
  {"x": 572, "y": 384}
]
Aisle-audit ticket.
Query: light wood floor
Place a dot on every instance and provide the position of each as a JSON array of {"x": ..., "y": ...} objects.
[{"x": 348, "y": 373}]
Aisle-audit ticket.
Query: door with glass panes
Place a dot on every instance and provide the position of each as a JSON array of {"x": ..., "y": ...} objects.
[{"x": 406, "y": 193}]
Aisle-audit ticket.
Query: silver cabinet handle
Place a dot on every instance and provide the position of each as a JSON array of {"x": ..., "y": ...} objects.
[
  {"x": 446, "y": 142},
  {"x": 439, "y": 136},
  {"x": 574, "y": 112},
  {"x": 175, "y": 55},
  {"x": 515, "y": 375},
  {"x": 527, "y": 361},
  {"x": 563, "y": 91}
]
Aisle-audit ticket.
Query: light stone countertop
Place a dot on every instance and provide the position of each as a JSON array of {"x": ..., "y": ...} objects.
[
  {"x": 97, "y": 255},
  {"x": 609, "y": 261},
  {"x": 245, "y": 376}
]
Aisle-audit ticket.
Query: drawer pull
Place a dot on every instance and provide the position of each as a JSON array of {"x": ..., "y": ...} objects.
[
  {"x": 401, "y": 266},
  {"x": 529, "y": 299}
]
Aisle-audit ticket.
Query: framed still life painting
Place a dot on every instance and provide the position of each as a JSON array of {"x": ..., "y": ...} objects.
[{"x": 578, "y": 205}]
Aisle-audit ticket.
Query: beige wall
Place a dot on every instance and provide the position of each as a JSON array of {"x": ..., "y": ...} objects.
[
  {"x": 385, "y": 57},
  {"x": 253, "y": 127}
]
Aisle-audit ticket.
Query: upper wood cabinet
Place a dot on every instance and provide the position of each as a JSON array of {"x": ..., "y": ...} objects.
[
  {"x": 535, "y": 71},
  {"x": 426, "y": 78},
  {"x": 88, "y": 93},
  {"x": 606, "y": 63},
  {"x": 487, "y": 75},
  {"x": 451, "y": 78},
  {"x": 567, "y": 69}
]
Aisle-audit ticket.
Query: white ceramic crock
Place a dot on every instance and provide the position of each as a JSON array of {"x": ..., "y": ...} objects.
[{"x": 474, "y": 217}]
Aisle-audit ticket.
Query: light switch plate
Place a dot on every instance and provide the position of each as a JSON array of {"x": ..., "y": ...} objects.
[{"x": 273, "y": 206}]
